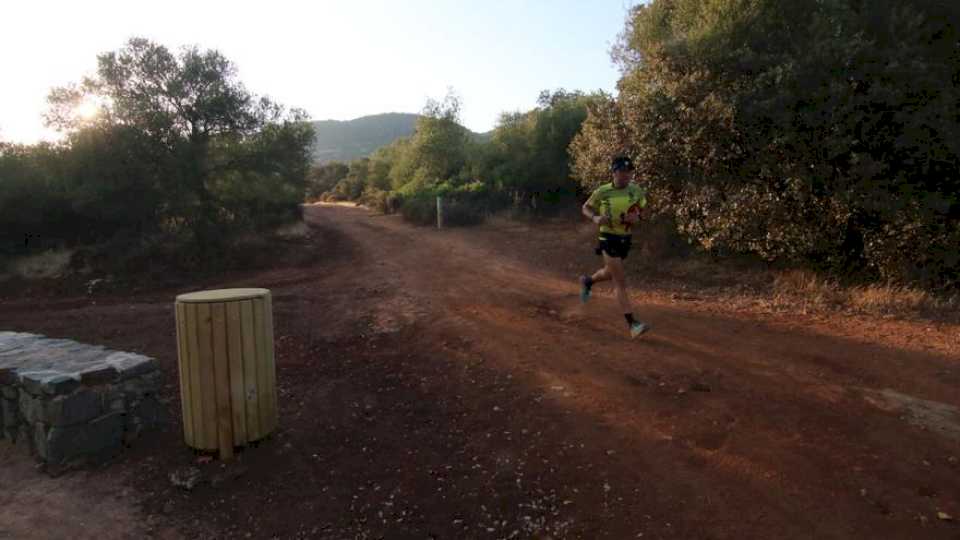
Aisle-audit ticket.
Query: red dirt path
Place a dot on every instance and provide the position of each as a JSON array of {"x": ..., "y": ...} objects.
[{"x": 450, "y": 385}]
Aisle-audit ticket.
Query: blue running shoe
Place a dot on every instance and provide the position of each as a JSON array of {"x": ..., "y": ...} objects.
[
  {"x": 637, "y": 329},
  {"x": 584, "y": 290}
]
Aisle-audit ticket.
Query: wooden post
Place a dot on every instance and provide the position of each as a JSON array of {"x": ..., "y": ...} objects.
[
  {"x": 227, "y": 370},
  {"x": 439, "y": 212}
]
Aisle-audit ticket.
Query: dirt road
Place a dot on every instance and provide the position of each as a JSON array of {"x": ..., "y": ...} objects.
[{"x": 450, "y": 385}]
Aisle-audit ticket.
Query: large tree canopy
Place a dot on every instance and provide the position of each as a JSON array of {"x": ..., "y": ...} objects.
[
  {"x": 815, "y": 131},
  {"x": 161, "y": 149},
  {"x": 211, "y": 156}
]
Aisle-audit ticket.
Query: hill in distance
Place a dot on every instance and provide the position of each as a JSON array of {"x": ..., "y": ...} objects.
[{"x": 347, "y": 140}]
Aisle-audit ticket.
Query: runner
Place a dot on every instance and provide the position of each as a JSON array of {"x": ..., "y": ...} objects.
[{"x": 616, "y": 208}]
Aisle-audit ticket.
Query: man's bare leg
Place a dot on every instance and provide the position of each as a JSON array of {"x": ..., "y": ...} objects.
[
  {"x": 587, "y": 282},
  {"x": 614, "y": 269},
  {"x": 600, "y": 275}
]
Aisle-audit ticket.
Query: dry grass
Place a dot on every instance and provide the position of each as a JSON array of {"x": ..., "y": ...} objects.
[
  {"x": 804, "y": 289},
  {"x": 294, "y": 230},
  {"x": 49, "y": 264},
  {"x": 812, "y": 292},
  {"x": 895, "y": 299}
]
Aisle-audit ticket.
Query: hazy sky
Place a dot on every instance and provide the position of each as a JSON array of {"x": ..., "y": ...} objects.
[{"x": 335, "y": 59}]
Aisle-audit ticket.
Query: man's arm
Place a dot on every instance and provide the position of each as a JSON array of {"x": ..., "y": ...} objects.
[{"x": 592, "y": 215}]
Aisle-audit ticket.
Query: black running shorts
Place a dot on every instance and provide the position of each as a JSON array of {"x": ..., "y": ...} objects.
[{"x": 614, "y": 245}]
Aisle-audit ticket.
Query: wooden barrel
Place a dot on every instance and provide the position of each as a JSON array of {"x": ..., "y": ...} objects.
[{"x": 227, "y": 371}]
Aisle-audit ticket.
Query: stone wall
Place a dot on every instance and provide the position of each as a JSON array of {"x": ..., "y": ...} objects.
[{"x": 65, "y": 401}]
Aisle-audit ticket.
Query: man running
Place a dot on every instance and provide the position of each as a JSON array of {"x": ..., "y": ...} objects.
[{"x": 615, "y": 207}]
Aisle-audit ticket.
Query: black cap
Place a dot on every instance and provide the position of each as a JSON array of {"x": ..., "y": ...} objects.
[{"x": 621, "y": 163}]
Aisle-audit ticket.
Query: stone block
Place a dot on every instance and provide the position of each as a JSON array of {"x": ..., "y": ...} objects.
[
  {"x": 10, "y": 341},
  {"x": 98, "y": 373},
  {"x": 110, "y": 394},
  {"x": 150, "y": 412},
  {"x": 48, "y": 382},
  {"x": 61, "y": 384},
  {"x": 37, "y": 358},
  {"x": 79, "y": 407},
  {"x": 32, "y": 408},
  {"x": 67, "y": 402},
  {"x": 9, "y": 392},
  {"x": 3, "y": 417},
  {"x": 74, "y": 359},
  {"x": 34, "y": 381},
  {"x": 102, "y": 435},
  {"x": 40, "y": 440},
  {"x": 67, "y": 344},
  {"x": 11, "y": 416},
  {"x": 129, "y": 365},
  {"x": 152, "y": 381},
  {"x": 117, "y": 405},
  {"x": 133, "y": 389}
]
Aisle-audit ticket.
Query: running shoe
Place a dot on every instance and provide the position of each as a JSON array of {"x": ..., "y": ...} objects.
[
  {"x": 637, "y": 329},
  {"x": 584, "y": 290}
]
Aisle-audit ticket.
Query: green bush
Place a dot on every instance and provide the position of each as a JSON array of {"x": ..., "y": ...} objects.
[
  {"x": 420, "y": 209},
  {"x": 464, "y": 205}
]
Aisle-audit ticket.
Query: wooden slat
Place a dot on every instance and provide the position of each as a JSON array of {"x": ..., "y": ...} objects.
[
  {"x": 235, "y": 349},
  {"x": 250, "y": 397},
  {"x": 207, "y": 378},
  {"x": 183, "y": 368},
  {"x": 192, "y": 323},
  {"x": 271, "y": 366},
  {"x": 221, "y": 373},
  {"x": 261, "y": 339}
]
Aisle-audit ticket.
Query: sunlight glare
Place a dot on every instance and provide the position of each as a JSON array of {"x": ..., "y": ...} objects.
[{"x": 87, "y": 110}]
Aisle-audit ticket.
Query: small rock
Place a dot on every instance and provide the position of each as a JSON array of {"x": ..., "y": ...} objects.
[
  {"x": 186, "y": 477},
  {"x": 943, "y": 516}
]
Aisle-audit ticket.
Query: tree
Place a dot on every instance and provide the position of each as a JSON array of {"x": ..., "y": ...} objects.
[
  {"x": 203, "y": 126},
  {"x": 529, "y": 150},
  {"x": 436, "y": 152}
]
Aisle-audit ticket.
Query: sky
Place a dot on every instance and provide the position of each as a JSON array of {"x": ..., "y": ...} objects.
[{"x": 335, "y": 59}]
